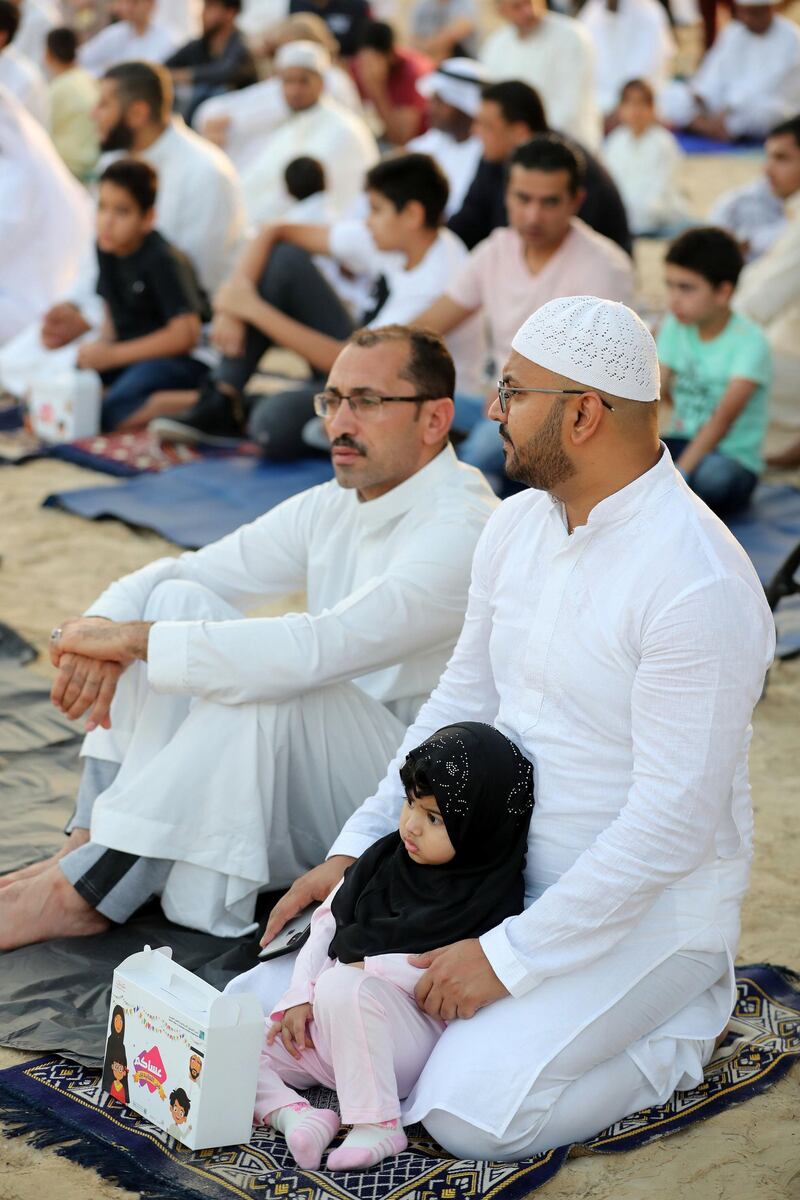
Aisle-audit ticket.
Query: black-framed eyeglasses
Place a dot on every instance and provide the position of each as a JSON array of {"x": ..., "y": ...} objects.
[
  {"x": 366, "y": 404},
  {"x": 504, "y": 394}
]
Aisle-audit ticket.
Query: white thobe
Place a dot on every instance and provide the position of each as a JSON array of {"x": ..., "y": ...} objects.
[
  {"x": 254, "y": 112},
  {"x": 45, "y": 217},
  {"x": 556, "y": 58},
  {"x": 25, "y": 81},
  {"x": 259, "y": 16},
  {"x": 121, "y": 42},
  {"x": 631, "y": 688},
  {"x": 769, "y": 293},
  {"x": 753, "y": 214},
  {"x": 458, "y": 160},
  {"x": 635, "y": 42},
  {"x": 339, "y": 139},
  {"x": 183, "y": 19},
  {"x": 647, "y": 169},
  {"x": 248, "y": 738},
  {"x": 751, "y": 79},
  {"x": 199, "y": 208},
  {"x": 38, "y": 18}
]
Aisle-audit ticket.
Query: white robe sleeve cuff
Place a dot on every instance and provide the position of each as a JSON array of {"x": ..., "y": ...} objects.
[
  {"x": 352, "y": 844},
  {"x": 168, "y": 656},
  {"x": 514, "y": 975}
]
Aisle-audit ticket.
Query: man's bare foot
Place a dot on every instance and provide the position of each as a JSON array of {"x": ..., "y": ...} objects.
[
  {"x": 78, "y": 837},
  {"x": 44, "y": 907}
]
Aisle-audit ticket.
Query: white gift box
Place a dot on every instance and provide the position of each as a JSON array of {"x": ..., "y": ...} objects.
[
  {"x": 181, "y": 1053},
  {"x": 65, "y": 405}
]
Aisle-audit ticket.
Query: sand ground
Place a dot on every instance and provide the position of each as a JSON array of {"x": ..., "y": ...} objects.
[{"x": 52, "y": 565}]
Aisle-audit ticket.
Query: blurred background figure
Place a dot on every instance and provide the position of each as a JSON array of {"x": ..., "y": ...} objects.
[
  {"x": 453, "y": 92},
  {"x": 346, "y": 19},
  {"x": 445, "y": 28},
  {"x": 748, "y": 81},
  {"x": 645, "y": 162},
  {"x": 554, "y": 54},
  {"x": 135, "y": 36},
  {"x": 318, "y": 127},
  {"x": 219, "y": 61},
  {"x": 73, "y": 95},
  {"x": 18, "y": 73},
  {"x": 387, "y": 76},
  {"x": 45, "y": 220},
  {"x": 632, "y": 40}
]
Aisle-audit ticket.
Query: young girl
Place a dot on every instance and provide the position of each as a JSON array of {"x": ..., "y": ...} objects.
[{"x": 349, "y": 1019}]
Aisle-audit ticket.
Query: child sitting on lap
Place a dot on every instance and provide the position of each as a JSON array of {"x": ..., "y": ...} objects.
[
  {"x": 349, "y": 1020},
  {"x": 154, "y": 304},
  {"x": 716, "y": 370}
]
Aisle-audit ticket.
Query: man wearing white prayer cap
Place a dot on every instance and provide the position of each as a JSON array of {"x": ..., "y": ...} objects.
[
  {"x": 453, "y": 92},
  {"x": 619, "y": 636},
  {"x": 748, "y": 81},
  {"x": 318, "y": 127}
]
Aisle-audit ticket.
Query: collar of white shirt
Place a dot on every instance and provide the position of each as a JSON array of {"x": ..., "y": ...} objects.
[
  {"x": 374, "y": 513},
  {"x": 627, "y": 502}
]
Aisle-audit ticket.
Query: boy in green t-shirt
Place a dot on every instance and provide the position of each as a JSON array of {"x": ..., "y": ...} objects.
[{"x": 716, "y": 371}]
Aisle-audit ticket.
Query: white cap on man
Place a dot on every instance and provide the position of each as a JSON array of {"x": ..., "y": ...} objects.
[
  {"x": 310, "y": 56},
  {"x": 598, "y": 343},
  {"x": 457, "y": 82}
]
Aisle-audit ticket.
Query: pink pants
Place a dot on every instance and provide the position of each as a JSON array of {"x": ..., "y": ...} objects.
[{"x": 370, "y": 1045}]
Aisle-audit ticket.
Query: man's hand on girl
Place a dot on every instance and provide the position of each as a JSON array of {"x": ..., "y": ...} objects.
[
  {"x": 458, "y": 980},
  {"x": 292, "y": 1029},
  {"x": 316, "y": 884}
]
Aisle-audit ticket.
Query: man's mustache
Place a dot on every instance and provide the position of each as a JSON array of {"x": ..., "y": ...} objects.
[
  {"x": 504, "y": 435},
  {"x": 349, "y": 443}
]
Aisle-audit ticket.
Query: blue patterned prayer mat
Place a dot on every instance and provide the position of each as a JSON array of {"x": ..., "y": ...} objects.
[{"x": 56, "y": 1103}]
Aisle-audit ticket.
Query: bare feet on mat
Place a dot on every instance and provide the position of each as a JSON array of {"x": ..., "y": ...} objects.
[
  {"x": 78, "y": 837},
  {"x": 43, "y": 907}
]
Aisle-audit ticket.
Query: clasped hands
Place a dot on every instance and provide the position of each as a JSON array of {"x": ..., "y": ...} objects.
[{"x": 90, "y": 654}]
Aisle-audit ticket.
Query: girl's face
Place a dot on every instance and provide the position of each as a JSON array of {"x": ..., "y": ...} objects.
[
  {"x": 118, "y": 1023},
  {"x": 423, "y": 831}
]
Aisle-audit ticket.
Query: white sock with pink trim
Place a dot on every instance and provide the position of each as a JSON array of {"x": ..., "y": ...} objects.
[
  {"x": 308, "y": 1131},
  {"x": 367, "y": 1145}
]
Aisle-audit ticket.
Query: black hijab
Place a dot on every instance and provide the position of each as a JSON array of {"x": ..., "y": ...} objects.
[{"x": 388, "y": 904}]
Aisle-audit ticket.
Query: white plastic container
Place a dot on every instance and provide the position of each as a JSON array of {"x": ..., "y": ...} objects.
[
  {"x": 66, "y": 405},
  {"x": 186, "y": 1056}
]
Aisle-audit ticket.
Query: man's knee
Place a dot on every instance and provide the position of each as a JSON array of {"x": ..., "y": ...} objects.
[
  {"x": 276, "y": 423},
  {"x": 179, "y": 599},
  {"x": 282, "y": 266},
  {"x": 463, "y": 1140}
]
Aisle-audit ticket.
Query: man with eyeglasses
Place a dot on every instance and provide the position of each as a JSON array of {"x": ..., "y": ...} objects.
[
  {"x": 620, "y": 636},
  {"x": 225, "y": 754}
]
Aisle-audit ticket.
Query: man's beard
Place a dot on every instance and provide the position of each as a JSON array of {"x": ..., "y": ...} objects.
[
  {"x": 194, "y": 1072},
  {"x": 120, "y": 137},
  {"x": 541, "y": 463}
]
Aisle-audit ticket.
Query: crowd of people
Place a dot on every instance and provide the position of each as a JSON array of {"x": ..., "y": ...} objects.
[{"x": 439, "y": 226}]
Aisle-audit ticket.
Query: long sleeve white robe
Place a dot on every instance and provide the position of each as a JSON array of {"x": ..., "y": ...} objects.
[
  {"x": 769, "y": 293},
  {"x": 340, "y": 140},
  {"x": 647, "y": 169},
  {"x": 24, "y": 79},
  {"x": 557, "y": 59},
  {"x": 255, "y": 112},
  {"x": 753, "y": 80},
  {"x": 635, "y": 42},
  {"x": 45, "y": 217},
  {"x": 120, "y": 43},
  {"x": 246, "y": 741},
  {"x": 625, "y": 661}
]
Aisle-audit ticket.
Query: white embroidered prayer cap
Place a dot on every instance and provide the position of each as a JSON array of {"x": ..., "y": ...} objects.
[
  {"x": 456, "y": 81},
  {"x": 598, "y": 343},
  {"x": 308, "y": 55}
]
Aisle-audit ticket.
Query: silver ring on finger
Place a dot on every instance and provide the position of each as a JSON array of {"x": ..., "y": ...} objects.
[{"x": 55, "y": 634}]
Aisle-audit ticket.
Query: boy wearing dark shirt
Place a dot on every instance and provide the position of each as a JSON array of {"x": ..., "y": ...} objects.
[{"x": 154, "y": 304}]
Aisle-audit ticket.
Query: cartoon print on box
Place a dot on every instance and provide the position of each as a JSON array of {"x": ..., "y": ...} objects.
[
  {"x": 192, "y": 1086},
  {"x": 115, "y": 1052},
  {"x": 119, "y": 1069},
  {"x": 179, "y": 1105}
]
